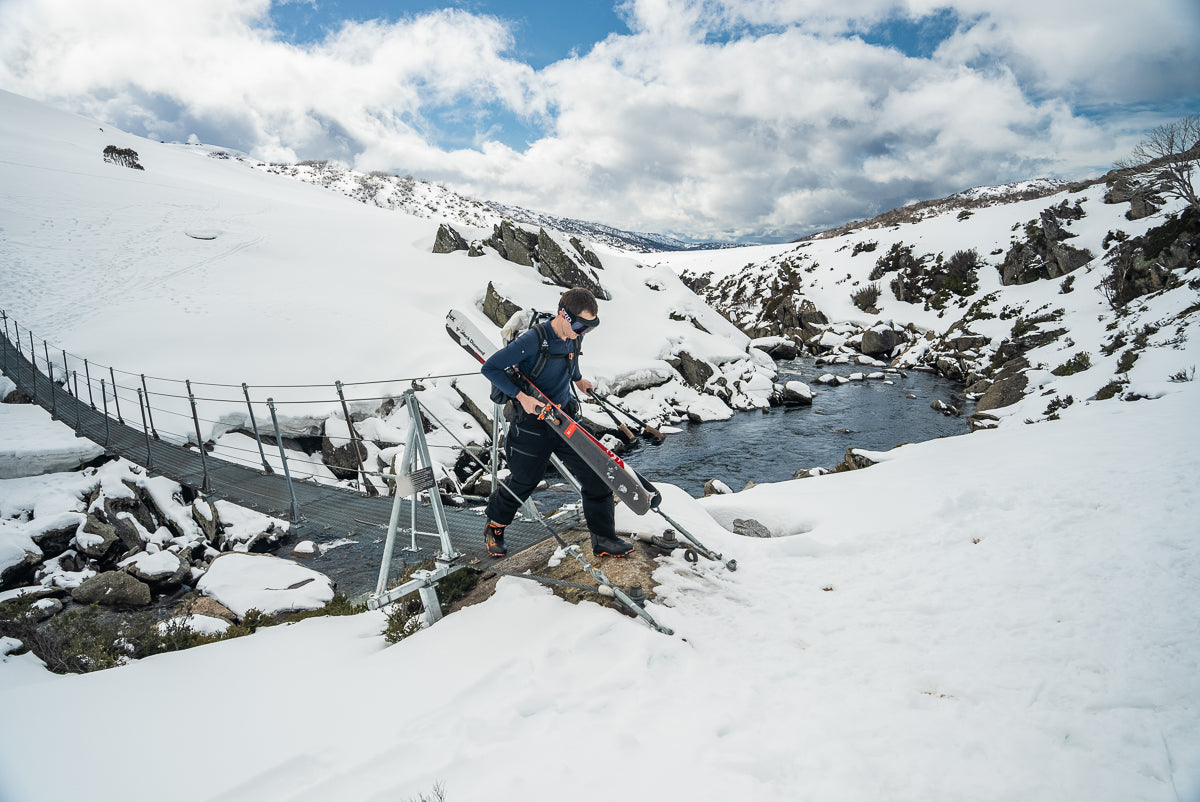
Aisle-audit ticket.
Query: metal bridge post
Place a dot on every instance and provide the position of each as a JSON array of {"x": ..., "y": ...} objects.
[
  {"x": 254, "y": 425},
  {"x": 104, "y": 398},
  {"x": 145, "y": 428},
  {"x": 78, "y": 404},
  {"x": 149, "y": 411},
  {"x": 53, "y": 389},
  {"x": 117, "y": 398},
  {"x": 360, "y": 451},
  {"x": 87, "y": 374},
  {"x": 4, "y": 315},
  {"x": 199, "y": 439},
  {"x": 279, "y": 442},
  {"x": 33, "y": 366}
]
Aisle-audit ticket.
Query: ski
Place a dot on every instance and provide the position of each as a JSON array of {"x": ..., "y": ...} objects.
[{"x": 620, "y": 478}]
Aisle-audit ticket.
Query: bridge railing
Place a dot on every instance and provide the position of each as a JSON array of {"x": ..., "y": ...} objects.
[{"x": 256, "y": 426}]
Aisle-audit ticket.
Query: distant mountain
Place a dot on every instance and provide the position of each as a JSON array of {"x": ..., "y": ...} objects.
[{"x": 427, "y": 199}]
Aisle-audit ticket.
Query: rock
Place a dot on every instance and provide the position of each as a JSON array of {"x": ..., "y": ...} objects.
[
  {"x": 978, "y": 388},
  {"x": 969, "y": 342},
  {"x": 1003, "y": 393},
  {"x": 879, "y": 342},
  {"x": 476, "y": 249},
  {"x": 44, "y": 609},
  {"x": 306, "y": 549},
  {"x": 113, "y": 589},
  {"x": 854, "y": 461},
  {"x": 161, "y": 570},
  {"x": 54, "y": 542},
  {"x": 97, "y": 539},
  {"x": 205, "y": 514},
  {"x": 557, "y": 265},
  {"x": 982, "y": 420},
  {"x": 19, "y": 572},
  {"x": 448, "y": 240},
  {"x": 588, "y": 256},
  {"x": 205, "y": 605},
  {"x": 714, "y": 487},
  {"x": 695, "y": 372},
  {"x": 943, "y": 407},
  {"x": 497, "y": 308},
  {"x": 796, "y": 393},
  {"x": 749, "y": 527},
  {"x": 258, "y": 581},
  {"x": 513, "y": 243},
  {"x": 345, "y": 460}
]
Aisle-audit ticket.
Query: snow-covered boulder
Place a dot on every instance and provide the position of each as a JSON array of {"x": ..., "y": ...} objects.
[
  {"x": 244, "y": 582},
  {"x": 113, "y": 589},
  {"x": 795, "y": 393},
  {"x": 160, "y": 569}
]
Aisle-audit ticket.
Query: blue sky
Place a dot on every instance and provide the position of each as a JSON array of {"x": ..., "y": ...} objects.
[{"x": 741, "y": 120}]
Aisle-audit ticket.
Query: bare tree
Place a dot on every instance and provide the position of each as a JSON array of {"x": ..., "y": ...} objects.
[{"x": 1174, "y": 150}]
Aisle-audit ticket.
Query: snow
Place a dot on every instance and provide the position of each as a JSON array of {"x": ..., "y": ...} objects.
[
  {"x": 997, "y": 616},
  {"x": 31, "y": 443}
]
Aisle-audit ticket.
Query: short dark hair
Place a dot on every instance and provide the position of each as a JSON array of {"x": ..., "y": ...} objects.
[{"x": 579, "y": 299}]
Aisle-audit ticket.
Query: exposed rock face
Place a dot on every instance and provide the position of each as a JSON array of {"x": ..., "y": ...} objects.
[
  {"x": 854, "y": 461},
  {"x": 748, "y": 527},
  {"x": 1044, "y": 254},
  {"x": 557, "y": 265},
  {"x": 513, "y": 243},
  {"x": 54, "y": 542},
  {"x": 21, "y": 572},
  {"x": 448, "y": 240},
  {"x": 588, "y": 256},
  {"x": 695, "y": 372},
  {"x": 343, "y": 460},
  {"x": 879, "y": 342},
  {"x": 498, "y": 308},
  {"x": 1143, "y": 198},
  {"x": 104, "y": 538},
  {"x": 113, "y": 589},
  {"x": 1008, "y": 387}
]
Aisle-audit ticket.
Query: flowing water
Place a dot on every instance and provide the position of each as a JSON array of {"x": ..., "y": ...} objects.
[{"x": 751, "y": 446}]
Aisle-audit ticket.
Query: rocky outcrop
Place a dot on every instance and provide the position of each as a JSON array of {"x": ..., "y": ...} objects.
[
  {"x": 748, "y": 527},
  {"x": 1043, "y": 254},
  {"x": 557, "y": 265},
  {"x": 1143, "y": 198},
  {"x": 342, "y": 455},
  {"x": 695, "y": 372},
  {"x": 497, "y": 308},
  {"x": 1008, "y": 387},
  {"x": 448, "y": 240},
  {"x": 513, "y": 243},
  {"x": 854, "y": 461},
  {"x": 113, "y": 589},
  {"x": 879, "y": 343}
]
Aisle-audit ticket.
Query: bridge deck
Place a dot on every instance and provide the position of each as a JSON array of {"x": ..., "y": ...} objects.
[{"x": 328, "y": 514}]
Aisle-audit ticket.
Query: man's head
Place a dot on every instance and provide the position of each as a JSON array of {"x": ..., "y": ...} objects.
[
  {"x": 577, "y": 313},
  {"x": 578, "y": 299}
]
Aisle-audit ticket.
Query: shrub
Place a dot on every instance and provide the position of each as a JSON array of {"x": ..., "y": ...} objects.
[
  {"x": 864, "y": 247},
  {"x": 1125, "y": 363},
  {"x": 1109, "y": 390},
  {"x": 123, "y": 157},
  {"x": 866, "y": 297},
  {"x": 1068, "y": 285},
  {"x": 1076, "y": 364}
]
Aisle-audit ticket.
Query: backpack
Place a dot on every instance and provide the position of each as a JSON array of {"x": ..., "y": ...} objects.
[{"x": 517, "y": 325}]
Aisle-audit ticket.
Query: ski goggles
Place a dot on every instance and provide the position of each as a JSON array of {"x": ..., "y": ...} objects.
[{"x": 580, "y": 324}]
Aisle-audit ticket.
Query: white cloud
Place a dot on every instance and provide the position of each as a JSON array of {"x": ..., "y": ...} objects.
[{"x": 712, "y": 118}]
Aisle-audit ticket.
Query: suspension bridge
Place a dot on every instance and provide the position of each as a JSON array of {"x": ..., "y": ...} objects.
[{"x": 120, "y": 415}]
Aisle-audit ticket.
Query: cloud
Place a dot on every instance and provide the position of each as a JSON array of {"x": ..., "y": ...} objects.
[{"x": 711, "y": 118}]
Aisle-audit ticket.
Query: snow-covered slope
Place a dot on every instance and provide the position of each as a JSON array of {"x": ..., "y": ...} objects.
[{"x": 197, "y": 267}]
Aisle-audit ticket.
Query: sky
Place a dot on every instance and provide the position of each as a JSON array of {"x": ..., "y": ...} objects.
[{"x": 755, "y": 120}]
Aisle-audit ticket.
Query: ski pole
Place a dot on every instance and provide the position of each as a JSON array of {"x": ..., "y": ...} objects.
[
  {"x": 626, "y": 432},
  {"x": 605, "y": 402}
]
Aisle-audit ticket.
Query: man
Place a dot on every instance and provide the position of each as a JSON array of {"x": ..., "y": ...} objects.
[{"x": 531, "y": 442}]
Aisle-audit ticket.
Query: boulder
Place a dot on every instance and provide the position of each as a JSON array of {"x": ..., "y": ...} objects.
[
  {"x": 113, "y": 589},
  {"x": 207, "y": 606},
  {"x": 513, "y": 243},
  {"x": 1003, "y": 393},
  {"x": 557, "y": 265},
  {"x": 854, "y": 461},
  {"x": 748, "y": 527},
  {"x": 497, "y": 308},
  {"x": 272, "y": 585},
  {"x": 695, "y": 372},
  {"x": 879, "y": 342},
  {"x": 982, "y": 420},
  {"x": 54, "y": 542},
  {"x": 795, "y": 393},
  {"x": 448, "y": 240},
  {"x": 20, "y": 570},
  {"x": 588, "y": 256},
  {"x": 96, "y": 539},
  {"x": 714, "y": 487},
  {"x": 163, "y": 569},
  {"x": 341, "y": 454}
]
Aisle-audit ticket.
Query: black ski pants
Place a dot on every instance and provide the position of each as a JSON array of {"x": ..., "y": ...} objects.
[{"x": 531, "y": 442}]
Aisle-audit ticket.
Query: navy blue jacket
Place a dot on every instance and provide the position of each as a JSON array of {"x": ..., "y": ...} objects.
[{"x": 556, "y": 377}]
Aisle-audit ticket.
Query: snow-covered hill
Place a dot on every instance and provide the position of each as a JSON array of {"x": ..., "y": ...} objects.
[{"x": 997, "y": 616}]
